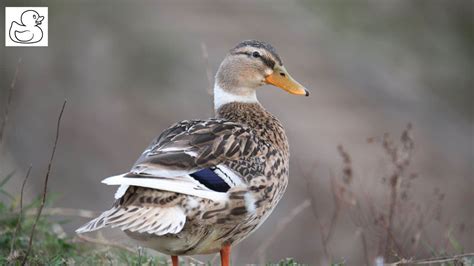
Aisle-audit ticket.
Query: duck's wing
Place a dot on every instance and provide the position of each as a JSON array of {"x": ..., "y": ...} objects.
[{"x": 189, "y": 158}]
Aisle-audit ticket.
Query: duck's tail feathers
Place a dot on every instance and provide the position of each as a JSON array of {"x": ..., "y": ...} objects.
[{"x": 152, "y": 220}]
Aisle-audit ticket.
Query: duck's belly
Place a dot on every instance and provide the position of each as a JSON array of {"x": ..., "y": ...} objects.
[
  {"x": 199, "y": 239},
  {"x": 187, "y": 242}
]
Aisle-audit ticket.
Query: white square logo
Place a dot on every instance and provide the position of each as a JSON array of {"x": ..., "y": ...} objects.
[{"x": 26, "y": 26}]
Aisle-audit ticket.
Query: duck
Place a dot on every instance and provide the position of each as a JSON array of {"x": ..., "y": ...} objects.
[
  {"x": 28, "y": 31},
  {"x": 202, "y": 186}
]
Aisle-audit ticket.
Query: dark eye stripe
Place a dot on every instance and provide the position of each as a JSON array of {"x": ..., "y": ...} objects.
[{"x": 267, "y": 61}]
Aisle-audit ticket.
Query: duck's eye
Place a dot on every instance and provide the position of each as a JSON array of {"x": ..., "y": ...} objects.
[
  {"x": 256, "y": 54},
  {"x": 34, "y": 16}
]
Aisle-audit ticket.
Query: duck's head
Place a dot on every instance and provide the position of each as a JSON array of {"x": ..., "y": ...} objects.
[
  {"x": 248, "y": 66},
  {"x": 31, "y": 18}
]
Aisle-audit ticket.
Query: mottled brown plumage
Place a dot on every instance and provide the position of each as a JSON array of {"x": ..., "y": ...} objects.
[{"x": 165, "y": 204}]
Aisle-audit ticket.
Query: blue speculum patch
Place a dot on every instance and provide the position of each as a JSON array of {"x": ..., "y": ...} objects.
[{"x": 210, "y": 179}]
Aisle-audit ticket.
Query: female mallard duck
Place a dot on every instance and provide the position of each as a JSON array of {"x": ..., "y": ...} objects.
[{"x": 204, "y": 185}]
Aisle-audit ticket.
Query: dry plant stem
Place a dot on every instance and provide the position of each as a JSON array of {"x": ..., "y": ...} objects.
[
  {"x": 9, "y": 100},
  {"x": 67, "y": 212},
  {"x": 400, "y": 160},
  {"x": 391, "y": 213},
  {"x": 104, "y": 242},
  {"x": 192, "y": 261},
  {"x": 316, "y": 214},
  {"x": 60, "y": 212},
  {"x": 321, "y": 228},
  {"x": 348, "y": 176},
  {"x": 205, "y": 56},
  {"x": 195, "y": 261},
  {"x": 45, "y": 187},
  {"x": 20, "y": 214},
  {"x": 335, "y": 214},
  {"x": 363, "y": 236},
  {"x": 432, "y": 260},
  {"x": 397, "y": 246},
  {"x": 280, "y": 228},
  {"x": 364, "y": 247},
  {"x": 214, "y": 259}
]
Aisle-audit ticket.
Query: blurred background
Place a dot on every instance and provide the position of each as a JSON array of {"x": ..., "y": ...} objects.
[{"x": 129, "y": 70}]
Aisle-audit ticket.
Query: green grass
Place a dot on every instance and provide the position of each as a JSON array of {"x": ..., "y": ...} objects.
[{"x": 51, "y": 246}]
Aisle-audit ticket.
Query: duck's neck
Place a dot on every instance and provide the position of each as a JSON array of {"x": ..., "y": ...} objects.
[{"x": 242, "y": 95}]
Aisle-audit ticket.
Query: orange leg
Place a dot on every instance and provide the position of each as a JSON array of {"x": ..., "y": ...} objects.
[
  {"x": 174, "y": 260},
  {"x": 225, "y": 255}
]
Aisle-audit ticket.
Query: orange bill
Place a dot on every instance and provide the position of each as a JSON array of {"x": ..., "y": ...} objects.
[{"x": 281, "y": 79}]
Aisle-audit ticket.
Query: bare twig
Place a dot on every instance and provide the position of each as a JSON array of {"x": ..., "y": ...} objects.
[
  {"x": 338, "y": 192},
  {"x": 280, "y": 228},
  {"x": 214, "y": 259},
  {"x": 400, "y": 160},
  {"x": 396, "y": 245},
  {"x": 198, "y": 262},
  {"x": 364, "y": 247},
  {"x": 45, "y": 187},
  {"x": 57, "y": 211},
  {"x": 314, "y": 209},
  {"x": 67, "y": 212},
  {"x": 205, "y": 56},
  {"x": 335, "y": 213},
  {"x": 9, "y": 100},
  {"x": 347, "y": 172},
  {"x": 104, "y": 242},
  {"x": 438, "y": 260},
  {"x": 391, "y": 213},
  {"x": 139, "y": 251},
  {"x": 20, "y": 214}
]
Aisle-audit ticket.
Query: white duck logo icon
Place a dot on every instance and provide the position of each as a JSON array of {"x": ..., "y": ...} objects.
[{"x": 29, "y": 30}]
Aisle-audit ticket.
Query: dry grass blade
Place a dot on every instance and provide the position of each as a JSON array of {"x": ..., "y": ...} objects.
[
  {"x": 213, "y": 261},
  {"x": 280, "y": 228},
  {"x": 315, "y": 212},
  {"x": 193, "y": 260},
  {"x": 440, "y": 260},
  {"x": 68, "y": 212},
  {"x": 400, "y": 159},
  {"x": 59, "y": 212},
  {"x": 20, "y": 214},
  {"x": 338, "y": 194},
  {"x": 9, "y": 100},
  {"x": 104, "y": 242},
  {"x": 205, "y": 55},
  {"x": 363, "y": 239},
  {"x": 45, "y": 187}
]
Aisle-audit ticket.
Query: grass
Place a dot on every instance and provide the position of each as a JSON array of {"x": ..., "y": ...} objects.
[{"x": 52, "y": 246}]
